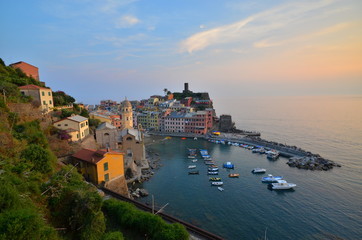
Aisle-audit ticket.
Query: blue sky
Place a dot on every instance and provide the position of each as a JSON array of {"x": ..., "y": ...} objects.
[{"x": 109, "y": 49}]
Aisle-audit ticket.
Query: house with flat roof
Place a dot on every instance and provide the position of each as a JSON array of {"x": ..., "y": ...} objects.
[{"x": 28, "y": 69}]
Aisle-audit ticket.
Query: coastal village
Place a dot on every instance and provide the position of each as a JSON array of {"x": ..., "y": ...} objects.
[
  {"x": 107, "y": 143},
  {"x": 113, "y": 152}
]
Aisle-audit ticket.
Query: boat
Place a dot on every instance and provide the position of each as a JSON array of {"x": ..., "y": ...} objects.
[
  {"x": 195, "y": 138},
  {"x": 271, "y": 179},
  {"x": 216, "y": 183},
  {"x": 183, "y": 138},
  {"x": 228, "y": 165},
  {"x": 220, "y": 189},
  {"x": 213, "y": 173},
  {"x": 190, "y": 156},
  {"x": 194, "y": 160},
  {"x": 272, "y": 155},
  {"x": 258, "y": 170},
  {"x": 192, "y": 166},
  {"x": 213, "y": 169},
  {"x": 214, "y": 179},
  {"x": 234, "y": 175},
  {"x": 281, "y": 185},
  {"x": 193, "y": 172}
]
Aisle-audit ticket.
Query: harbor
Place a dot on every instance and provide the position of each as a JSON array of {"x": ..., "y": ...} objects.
[
  {"x": 298, "y": 157},
  {"x": 244, "y": 200}
]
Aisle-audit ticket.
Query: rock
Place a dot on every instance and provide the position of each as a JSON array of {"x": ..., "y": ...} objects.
[{"x": 143, "y": 192}]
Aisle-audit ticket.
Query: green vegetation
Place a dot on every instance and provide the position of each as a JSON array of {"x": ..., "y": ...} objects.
[
  {"x": 61, "y": 99},
  {"x": 40, "y": 199},
  {"x": 127, "y": 216}
]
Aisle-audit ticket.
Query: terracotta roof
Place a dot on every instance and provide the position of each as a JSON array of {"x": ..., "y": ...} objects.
[
  {"x": 33, "y": 87},
  {"x": 17, "y": 63},
  {"x": 91, "y": 155}
]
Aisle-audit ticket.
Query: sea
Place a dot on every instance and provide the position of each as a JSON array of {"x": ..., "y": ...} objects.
[{"x": 323, "y": 205}]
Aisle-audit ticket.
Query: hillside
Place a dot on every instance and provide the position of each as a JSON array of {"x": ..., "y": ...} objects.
[{"x": 42, "y": 199}]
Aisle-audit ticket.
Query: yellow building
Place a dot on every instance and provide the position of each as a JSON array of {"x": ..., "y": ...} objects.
[
  {"x": 98, "y": 166},
  {"x": 100, "y": 117},
  {"x": 76, "y": 126},
  {"x": 41, "y": 95}
]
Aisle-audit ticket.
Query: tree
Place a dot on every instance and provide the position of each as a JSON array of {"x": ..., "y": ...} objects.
[{"x": 41, "y": 159}]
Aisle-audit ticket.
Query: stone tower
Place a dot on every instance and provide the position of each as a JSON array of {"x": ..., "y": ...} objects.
[{"x": 126, "y": 111}]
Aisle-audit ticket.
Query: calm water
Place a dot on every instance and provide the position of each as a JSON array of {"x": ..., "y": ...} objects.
[{"x": 323, "y": 202}]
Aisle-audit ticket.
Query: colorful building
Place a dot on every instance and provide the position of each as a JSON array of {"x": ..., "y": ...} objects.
[
  {"x": 99, "y": 166},
  {"x": 28, "y": 69},
  {"x": 149, "y": 120},
  {"x": 41, "y": 95},
  {"x": 76, "y": 125}
]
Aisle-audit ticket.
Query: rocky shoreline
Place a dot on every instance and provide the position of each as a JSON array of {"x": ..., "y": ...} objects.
[{"x": 153, "y": 160}]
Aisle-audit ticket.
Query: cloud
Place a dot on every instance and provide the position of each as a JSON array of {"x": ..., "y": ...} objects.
[
  {"x": 202, "y": 26},
  {"x": 325, "y": 31},
  {"x": 255, "y": 26},
  {"x": 126, "y": 21}
]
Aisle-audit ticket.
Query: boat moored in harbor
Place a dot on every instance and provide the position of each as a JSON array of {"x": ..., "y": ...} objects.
[
  {"x": 216, "y": 183},
  {"x": 282, "y": 185},
  {"x": 228, "y": 165},
  {"x": 271, "y": 179},
  {"x": 193, "y": 172},
  {"x": 220, "y": 189},
  {"x": 192, "y": 166},
  {"x": 214, "y": 179},
  {"x": 258, "y": 170},
  {"x": 234, "y": 175}
]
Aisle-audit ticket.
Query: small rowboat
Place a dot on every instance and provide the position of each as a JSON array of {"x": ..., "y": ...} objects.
[{"x": 234, "y": 175}]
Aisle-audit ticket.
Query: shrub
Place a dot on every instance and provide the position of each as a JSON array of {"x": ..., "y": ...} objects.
[
  {"x": 145, "y": 223},
  {"x": 42, "y": 159},
  {"x": 24, "y": 224}
]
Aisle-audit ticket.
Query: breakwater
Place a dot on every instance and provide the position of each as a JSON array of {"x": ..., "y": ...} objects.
[{"x": 298, "y": 157}]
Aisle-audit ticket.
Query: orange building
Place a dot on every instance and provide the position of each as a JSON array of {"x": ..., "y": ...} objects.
[
  {"x": 29, "y": 70},
  {"x": 99, "y": 166}
]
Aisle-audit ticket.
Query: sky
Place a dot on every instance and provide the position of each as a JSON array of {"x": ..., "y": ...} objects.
[{"x": 112, "y": 49}]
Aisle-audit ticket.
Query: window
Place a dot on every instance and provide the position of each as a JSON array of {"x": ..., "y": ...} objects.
[
  {"x": 49, "y": 94},
  {"x": 105, "y": 166},
  {"x": 59, "y": 125},
  {"x": 66, "y": 124},
  {"x": 44, "y": 103},
  {"x": 42, "y": 93},
  {"x": 50, "y": 101},
  {"x": 106, "y": 177},
  {"x": 78, "y": 135}
]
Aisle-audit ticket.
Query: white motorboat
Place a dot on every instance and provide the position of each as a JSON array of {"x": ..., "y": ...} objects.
[
  {"x": 220, "y": 189},
  {"x": 194, "y": 160},
  {"x": 271, "y": 179},
  {"x": 192, "y": 166},
  {"x": 258, "y": 170},
  {"x": 282, "y": 185},
  {"x": 217, "y": 183}
]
